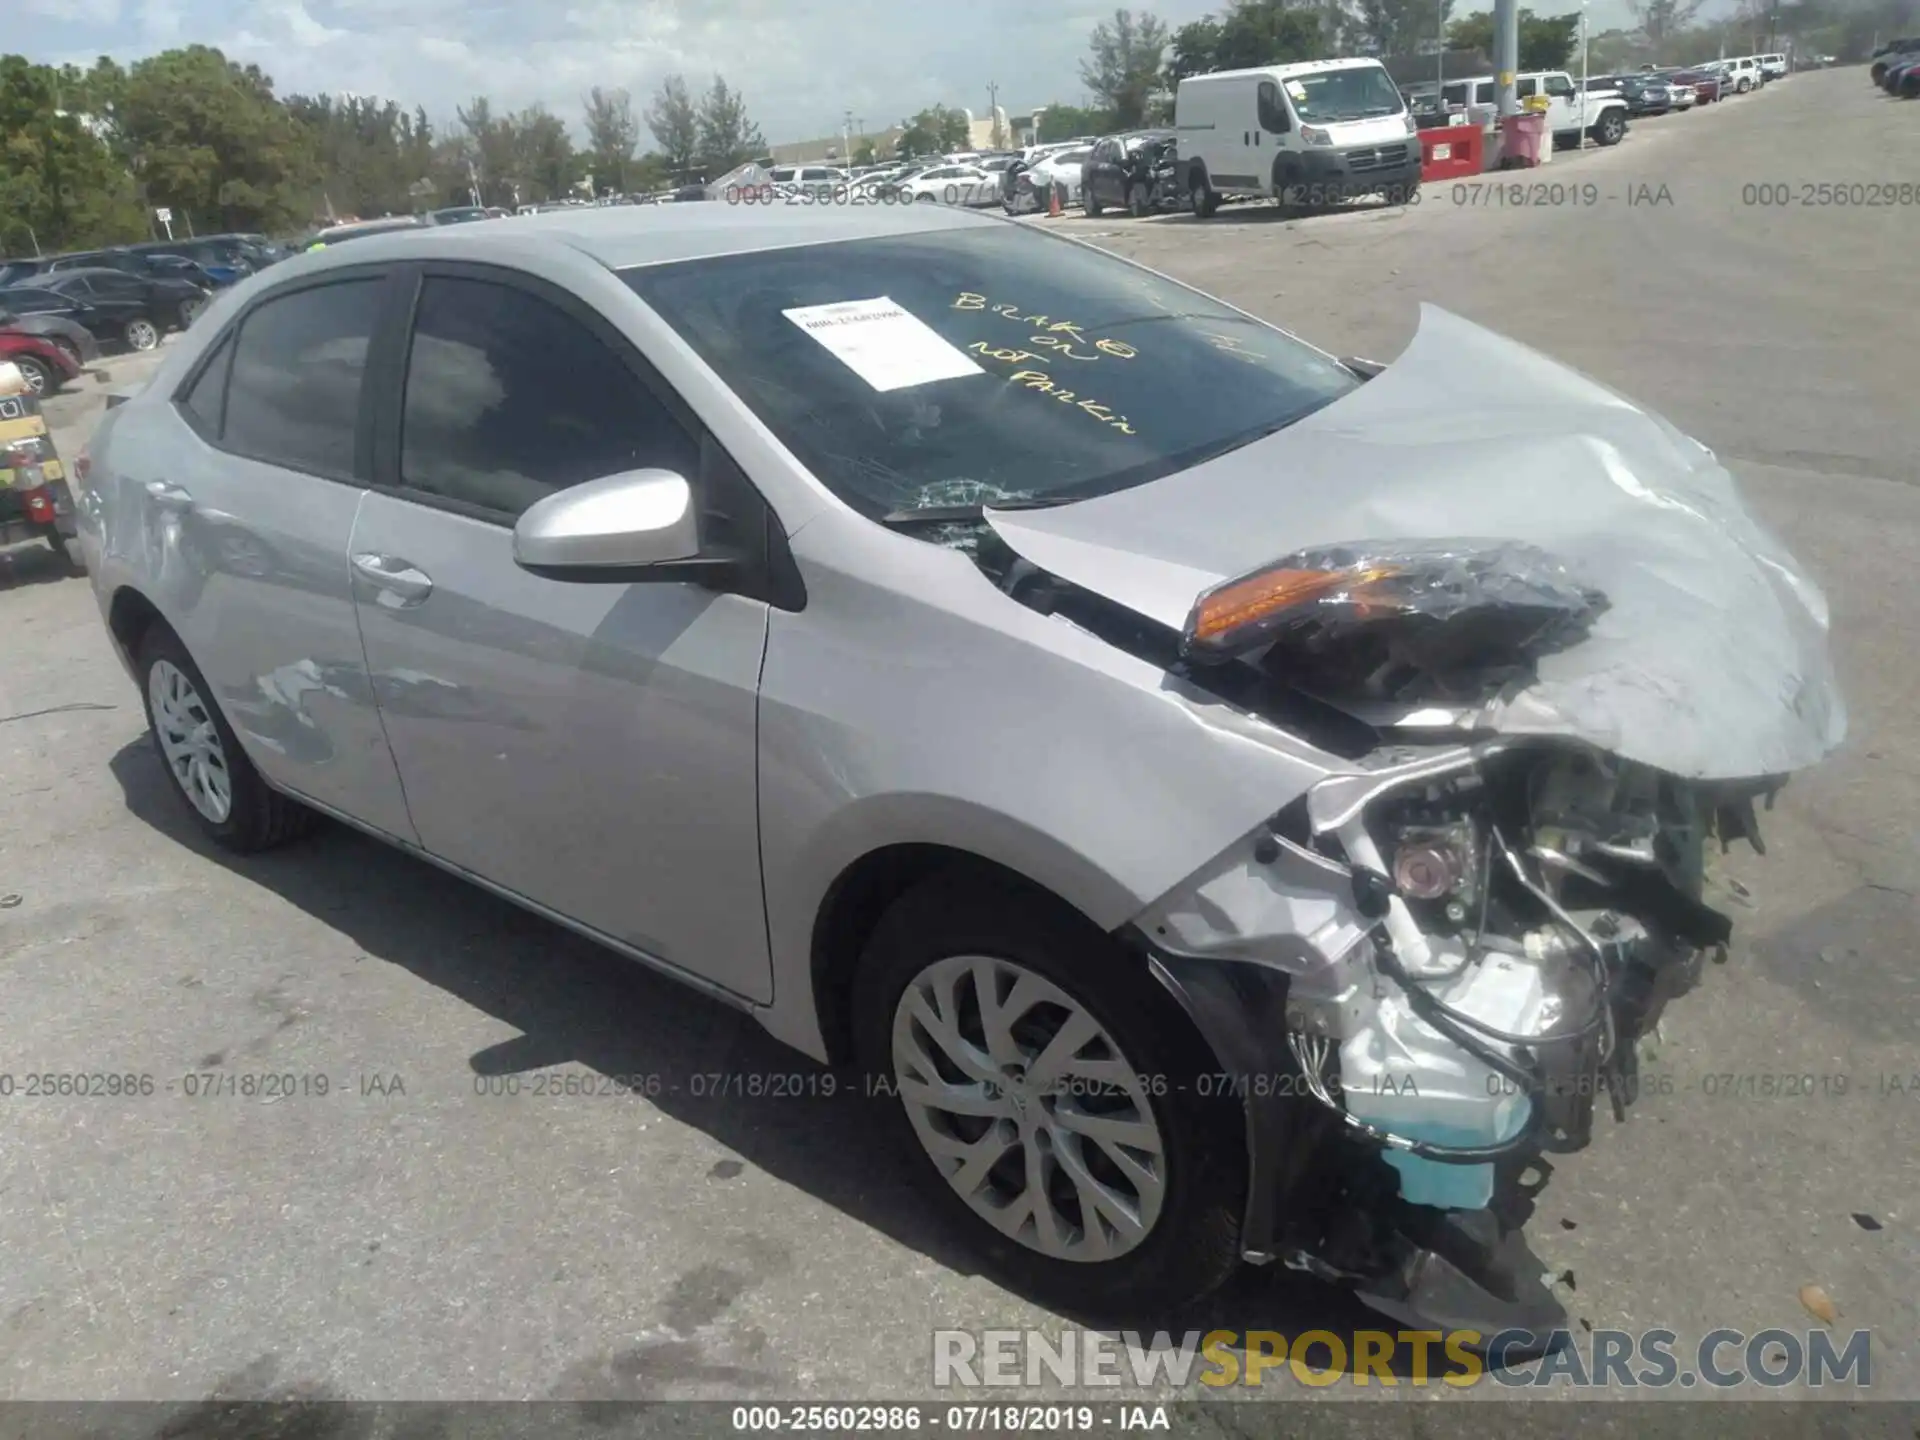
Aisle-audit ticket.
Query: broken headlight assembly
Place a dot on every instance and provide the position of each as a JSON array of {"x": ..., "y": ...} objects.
[{"x": 1397, "y": 620}]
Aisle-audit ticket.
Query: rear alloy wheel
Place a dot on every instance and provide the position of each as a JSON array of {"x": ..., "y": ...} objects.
[
  {"x": 40, "y": 379},
  {"x": 203, "y": 760},
  {"x": 191, "y": 310},
  {"x": 141, "y": 335},
  {"x": 1041, "y": 1074}
]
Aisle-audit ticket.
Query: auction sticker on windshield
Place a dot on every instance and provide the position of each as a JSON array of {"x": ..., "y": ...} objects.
[{"x": 882, "y": 343}]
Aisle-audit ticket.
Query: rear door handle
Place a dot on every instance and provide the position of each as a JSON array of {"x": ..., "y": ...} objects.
[
  {"x": 169, "y": 497},
  {"x": 396, "y": 583}
]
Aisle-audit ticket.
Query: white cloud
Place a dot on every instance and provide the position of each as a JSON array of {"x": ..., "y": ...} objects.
[{"x": 801, "y": 64}]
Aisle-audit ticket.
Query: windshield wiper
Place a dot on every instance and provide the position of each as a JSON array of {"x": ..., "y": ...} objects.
[{"x": 962, "y": 514}]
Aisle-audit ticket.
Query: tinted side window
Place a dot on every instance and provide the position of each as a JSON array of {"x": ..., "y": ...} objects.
[
  {"x": 36, "y": 302},
  {"x": 1273, "y": 110},
  {"x": 509, "y": 399},
  {"x": 116, "y": 287},
  {"x": 1526, "y": 87},
  {"x": 206, "y": 402},
  {"x": 295, "y": 395},
  {"x": 1559, "y": 85}
]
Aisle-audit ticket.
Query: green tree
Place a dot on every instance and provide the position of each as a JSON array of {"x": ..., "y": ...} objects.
[
  {"x": 1661, "y": 20},
  {"x": 1069, "y": 122},
  {"x": 208, "y": 138},
  {"x": 1125, "y": 57},
  {"x": 1268, "y": 32},
  {"x": 544, "y": 161},
  {"x": 934, "y": 131},
  {"x": 727, "y": 137},
  {"x": 613, "y": 134},
  {"x": 61, "y": 184},
  {"x": 863, "y": 153},
  {"x": 1194, "y": 49},
  {"x": 1546, "y": 43},
  {"x": 372, "y": 155},
  {"x": 1396, "y": 27},
  {"x": 675, "y": 122}
]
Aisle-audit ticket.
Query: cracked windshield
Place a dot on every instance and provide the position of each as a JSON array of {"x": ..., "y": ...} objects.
[{"x": 992, "y": 365}]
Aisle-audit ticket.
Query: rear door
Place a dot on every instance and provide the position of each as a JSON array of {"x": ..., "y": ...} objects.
[
  {"x": 248, "y": 483},
  {"x": 589, "y": 747}
]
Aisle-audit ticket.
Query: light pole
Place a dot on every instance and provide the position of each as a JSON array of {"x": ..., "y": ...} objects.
[
  {"x": 1583, "y": 77},
  {"x": 1440, "y": 55}
]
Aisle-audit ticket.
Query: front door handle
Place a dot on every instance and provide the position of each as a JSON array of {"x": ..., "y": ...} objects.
[
  {"x": 169, "y": 497},
  {"x": 397, "y": 584}
]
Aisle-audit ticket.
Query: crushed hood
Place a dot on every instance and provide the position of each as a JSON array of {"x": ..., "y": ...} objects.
[{"x": 1710, "y": 660}]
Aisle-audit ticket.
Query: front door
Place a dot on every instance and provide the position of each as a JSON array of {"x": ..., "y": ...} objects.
[
  {"x": 590, "y": 747},
  {"x": 1566, "y": 106}
]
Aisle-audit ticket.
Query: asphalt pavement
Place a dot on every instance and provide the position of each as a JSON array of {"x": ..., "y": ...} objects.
[{"x": 418, "y": 1233}]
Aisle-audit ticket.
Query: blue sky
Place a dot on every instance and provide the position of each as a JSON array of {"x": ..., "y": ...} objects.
[{"x": 801, "y": 63}]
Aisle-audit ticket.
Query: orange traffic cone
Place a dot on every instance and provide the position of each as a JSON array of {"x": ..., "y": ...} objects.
[{"x": 1053, "y": 201}]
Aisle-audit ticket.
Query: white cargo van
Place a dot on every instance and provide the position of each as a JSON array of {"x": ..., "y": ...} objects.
[{"x": 1303, "y": 134}]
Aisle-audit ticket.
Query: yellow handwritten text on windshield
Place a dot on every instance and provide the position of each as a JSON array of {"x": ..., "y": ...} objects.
[
  {"x": 1064, "y": 338},
  {"x": 1231, "y": 345},
  {"x": 1042, "y": 383}
]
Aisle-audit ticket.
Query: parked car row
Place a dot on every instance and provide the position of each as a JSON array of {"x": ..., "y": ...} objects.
[{"x": 1896, "y": 67}]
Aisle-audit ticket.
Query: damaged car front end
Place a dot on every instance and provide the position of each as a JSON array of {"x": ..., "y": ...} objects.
[
  {"x": 1378, "y": 717},
  {"x": 1425, "y": 973}
]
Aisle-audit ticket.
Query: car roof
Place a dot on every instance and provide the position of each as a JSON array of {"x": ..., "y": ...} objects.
[
  {"x": 622, "y": 236},
  {"x": 1291, "y": 69}
]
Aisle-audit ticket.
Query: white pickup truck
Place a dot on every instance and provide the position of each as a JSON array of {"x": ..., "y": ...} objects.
[{"x": 1601, "y": 115}]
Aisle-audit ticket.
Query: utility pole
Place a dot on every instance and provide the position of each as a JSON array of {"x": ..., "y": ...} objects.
[
  {"x": 1506, "y": 56},
  {"x": 993, "y": 116},
  {"x": 846, "y": 139}
]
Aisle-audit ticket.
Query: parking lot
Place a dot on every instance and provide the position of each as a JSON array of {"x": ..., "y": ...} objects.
[{"x": 416, "y": 1233}]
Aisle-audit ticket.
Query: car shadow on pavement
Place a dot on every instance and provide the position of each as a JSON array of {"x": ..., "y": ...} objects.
[
  {"x": 31, "y": 563},
  {"x": 1264, "y": 212},
  {"x": 575, "y": 1002}
]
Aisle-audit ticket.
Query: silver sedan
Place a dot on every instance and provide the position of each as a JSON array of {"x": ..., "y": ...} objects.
[{"x": 1221, "y": 800}]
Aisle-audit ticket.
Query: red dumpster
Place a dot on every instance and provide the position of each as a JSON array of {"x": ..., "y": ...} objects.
[{"x": 1449, "y": 152}]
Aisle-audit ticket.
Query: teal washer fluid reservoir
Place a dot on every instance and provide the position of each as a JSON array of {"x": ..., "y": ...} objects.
[{"x": 1401, "y": 1075}]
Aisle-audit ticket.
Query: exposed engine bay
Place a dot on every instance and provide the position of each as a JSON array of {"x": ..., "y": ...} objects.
[{"x": 1471, "y": 936}]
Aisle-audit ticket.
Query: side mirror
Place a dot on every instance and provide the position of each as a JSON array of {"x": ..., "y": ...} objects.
[{"x": 608, "y": 528}]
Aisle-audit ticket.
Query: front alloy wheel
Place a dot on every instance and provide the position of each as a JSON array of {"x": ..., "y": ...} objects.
[
  {"x": 1049, "y": 1090},
  {"x": 142, "y": 335},
  {"x": 1029, "y": 1108},
  {"x": 34, "y": 372}
]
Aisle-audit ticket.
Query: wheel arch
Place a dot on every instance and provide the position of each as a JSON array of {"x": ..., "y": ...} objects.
[
  {"x": 860, "y": 893},
  {"x": 130, "y": 615}
]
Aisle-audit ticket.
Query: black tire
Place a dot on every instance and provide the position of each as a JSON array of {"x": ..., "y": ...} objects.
[
  {"x": 141, "y": 334},
  {"x": 38, "y": 374},
  {"x": 260, "y": 817},
  {"x": 1193, "y": 1247},
  {"x": 1609, "y": 129},
  {"x": 1139, "y": 204},
  {"x": 68, "y": 562},
  {"x": 1091, "y": 203},
  {"x": 1201, "y": 198}
]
